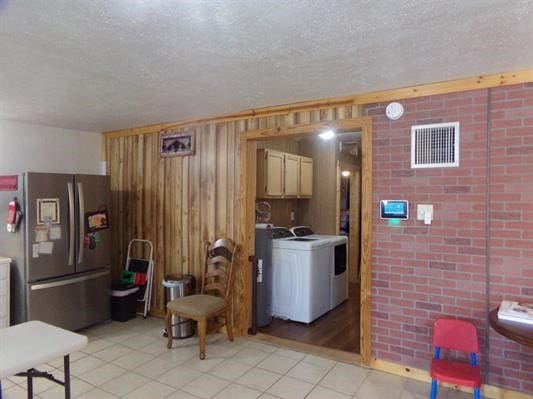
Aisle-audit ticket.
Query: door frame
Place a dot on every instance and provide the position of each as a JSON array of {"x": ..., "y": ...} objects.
[{"x": 247, "y": 193}]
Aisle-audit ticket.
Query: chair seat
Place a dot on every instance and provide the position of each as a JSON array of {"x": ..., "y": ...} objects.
[
  {"x": 456, "y": 373},
  {"x": 196, "y": 305}
]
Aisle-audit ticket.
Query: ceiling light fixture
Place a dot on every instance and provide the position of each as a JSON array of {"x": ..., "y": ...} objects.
[
  {"x": 327, "y": 134},
  {"x": 345, "y": 173}
]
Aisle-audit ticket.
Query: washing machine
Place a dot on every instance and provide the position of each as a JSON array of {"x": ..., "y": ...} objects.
[
  {"x": 300, "y": 276},
  {"x": 338, "y": 263}
]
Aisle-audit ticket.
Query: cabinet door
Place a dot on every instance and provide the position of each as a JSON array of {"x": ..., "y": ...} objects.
[
  {"x": 292, "y": 175},
  {"x": 274, "y": 173},
  {"x": 306, "y": 177}
]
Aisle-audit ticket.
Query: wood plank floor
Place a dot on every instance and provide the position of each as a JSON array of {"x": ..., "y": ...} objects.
[{"x": 337, "y": 329}]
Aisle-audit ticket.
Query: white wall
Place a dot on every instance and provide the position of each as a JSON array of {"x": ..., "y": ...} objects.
[{"x": 35, "y": 148}]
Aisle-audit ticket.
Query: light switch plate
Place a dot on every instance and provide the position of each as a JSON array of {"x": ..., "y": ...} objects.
[{"x": 422, "y": 209}]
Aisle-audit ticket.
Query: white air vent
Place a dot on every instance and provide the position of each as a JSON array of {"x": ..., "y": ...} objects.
[{"x": 434, "y": 146}]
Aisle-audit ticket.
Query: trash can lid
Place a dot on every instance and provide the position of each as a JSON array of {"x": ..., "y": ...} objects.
[
  {"x": 173, "y": 280},
  {"x": 118, "y": 293}
]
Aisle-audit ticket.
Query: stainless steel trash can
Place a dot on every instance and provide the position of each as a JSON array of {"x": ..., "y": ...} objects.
[{"x": 177, "y": 287}]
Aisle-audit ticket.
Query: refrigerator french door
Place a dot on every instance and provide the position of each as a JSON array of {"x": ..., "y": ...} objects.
[
  {"x": 60, "y": 262},
  {"x": 62, "y": 276},
  {"x": 92, "y": 193}
]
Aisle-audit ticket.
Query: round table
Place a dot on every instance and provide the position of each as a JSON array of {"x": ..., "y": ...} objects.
[{"x": 518, "y": 332}]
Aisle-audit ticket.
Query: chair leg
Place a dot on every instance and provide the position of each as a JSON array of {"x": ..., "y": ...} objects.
[
  {"x": 202, "y": 330},
  {"x": 229, "y": 323},
  {"x": 434, "y": 388},
  {"x": 476, "y": 393},
  {"x": 168, "y": 324}
]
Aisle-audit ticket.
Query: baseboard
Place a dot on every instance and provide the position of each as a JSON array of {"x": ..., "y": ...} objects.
[
  {"x": 488, "y": 391},
  {"x": 157, "y": 313}
]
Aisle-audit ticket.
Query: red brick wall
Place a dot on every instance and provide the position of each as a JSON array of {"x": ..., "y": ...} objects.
[
  {"x": 424, "y": 272},
  {"x": 511, "y": 225}
]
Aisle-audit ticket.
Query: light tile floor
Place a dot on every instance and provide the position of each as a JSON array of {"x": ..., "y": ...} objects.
[{"x": 130, "y": 360}]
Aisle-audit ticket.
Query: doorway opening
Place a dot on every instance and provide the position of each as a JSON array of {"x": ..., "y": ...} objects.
[
  {"x": 335, "y": 205},
  {"x": 332, "y": 208}
]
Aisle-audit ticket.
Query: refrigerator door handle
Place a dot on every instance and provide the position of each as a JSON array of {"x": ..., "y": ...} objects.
[
  {"x": 52, "y": 284},
  {"x": 81, "y": 208},
  {"x": 72, "y": 233}
]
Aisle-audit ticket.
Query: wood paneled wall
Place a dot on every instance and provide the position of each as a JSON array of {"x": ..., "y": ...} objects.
[
  {"x": 281, "y": 211},
  {"x": 321, "y": 211},
  {"x": 180, "y": 202}
]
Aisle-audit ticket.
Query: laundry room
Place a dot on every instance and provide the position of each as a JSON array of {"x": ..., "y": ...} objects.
[{"x": 308, "y": 235}]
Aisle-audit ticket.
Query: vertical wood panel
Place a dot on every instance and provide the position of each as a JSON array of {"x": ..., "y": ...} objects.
[
  {"x": 208, "y": 188},
  {"x": 179, "y": 202},
  {"x": 186, "y": 263},
  {"x": 139, "y": 180},
  {"x": 147, "y": 215},
  {"x": 304, "y": 117},
  {"x": 167, "y": 217},
  {"x": 355, "y": 226},
  {"x": 230, "y": 167},
  {"x": 160, "y": 258},
  {"x": 129, "y": 212},
  {"x": 194, "y": 204},
  {"x": 153, "y": 221},
  {"x": 221, "y": 180},
  {"x": 121, "y": 202}
]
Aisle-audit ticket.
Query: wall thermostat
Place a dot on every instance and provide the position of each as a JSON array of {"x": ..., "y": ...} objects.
[
  {"x": 394, "y": 111},
  {"x": 393, "y": 209}
]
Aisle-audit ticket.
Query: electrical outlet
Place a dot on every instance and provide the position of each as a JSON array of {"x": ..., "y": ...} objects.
[{"x": 292, "y": 217}]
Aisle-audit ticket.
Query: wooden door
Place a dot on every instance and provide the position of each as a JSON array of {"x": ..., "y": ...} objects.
[
  {"x": 292, "y": 175},
  {"x": 306, "y": 177}
]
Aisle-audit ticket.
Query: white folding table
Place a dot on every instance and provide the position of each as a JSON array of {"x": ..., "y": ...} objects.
[{"x": 26, "y": 345}]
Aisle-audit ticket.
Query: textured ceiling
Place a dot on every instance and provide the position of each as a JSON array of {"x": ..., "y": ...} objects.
[{"x": 109, "y": 64}]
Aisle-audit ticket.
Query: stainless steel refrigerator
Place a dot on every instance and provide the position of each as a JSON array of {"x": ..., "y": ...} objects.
[{"x": 61, "y": 250}]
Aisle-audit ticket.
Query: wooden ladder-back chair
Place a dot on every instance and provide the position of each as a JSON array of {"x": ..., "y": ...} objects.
[{"x": 214, "y": 299}]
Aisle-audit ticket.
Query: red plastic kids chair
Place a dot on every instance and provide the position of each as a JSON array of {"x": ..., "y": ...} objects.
[{"x": 456, "y": 335}]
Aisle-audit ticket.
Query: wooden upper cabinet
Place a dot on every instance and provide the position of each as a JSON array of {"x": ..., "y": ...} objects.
[
  {"x": 306, "y": 177},
  {"x": 291, "y": 187},
  {"x": 283, "y": 175},
  {"x": 270, "y": 173}
]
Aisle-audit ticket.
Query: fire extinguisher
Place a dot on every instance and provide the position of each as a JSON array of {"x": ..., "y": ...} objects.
[{"x": 14, "y": 215}]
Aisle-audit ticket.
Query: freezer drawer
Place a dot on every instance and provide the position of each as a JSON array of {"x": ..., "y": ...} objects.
[{"x": 71, "y": 303}]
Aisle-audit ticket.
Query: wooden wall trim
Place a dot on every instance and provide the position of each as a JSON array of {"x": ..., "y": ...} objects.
[
  {"x": 451, "y": 86},
  {"x": 246, "y": 234},
  {"x": 366, "y": 243},
  {"x": 488, "y": 391}
]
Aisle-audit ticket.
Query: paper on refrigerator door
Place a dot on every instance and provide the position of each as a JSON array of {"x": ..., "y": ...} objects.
[
  {"x": 46, "y": 247},
  {"x": 55, "y": 232},
  {"x": 35, "y": 250},
  {"x": 41, "y": 234}
]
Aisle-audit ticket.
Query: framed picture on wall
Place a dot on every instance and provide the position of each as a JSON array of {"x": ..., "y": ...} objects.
[{"x": 176, "y": 144}]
